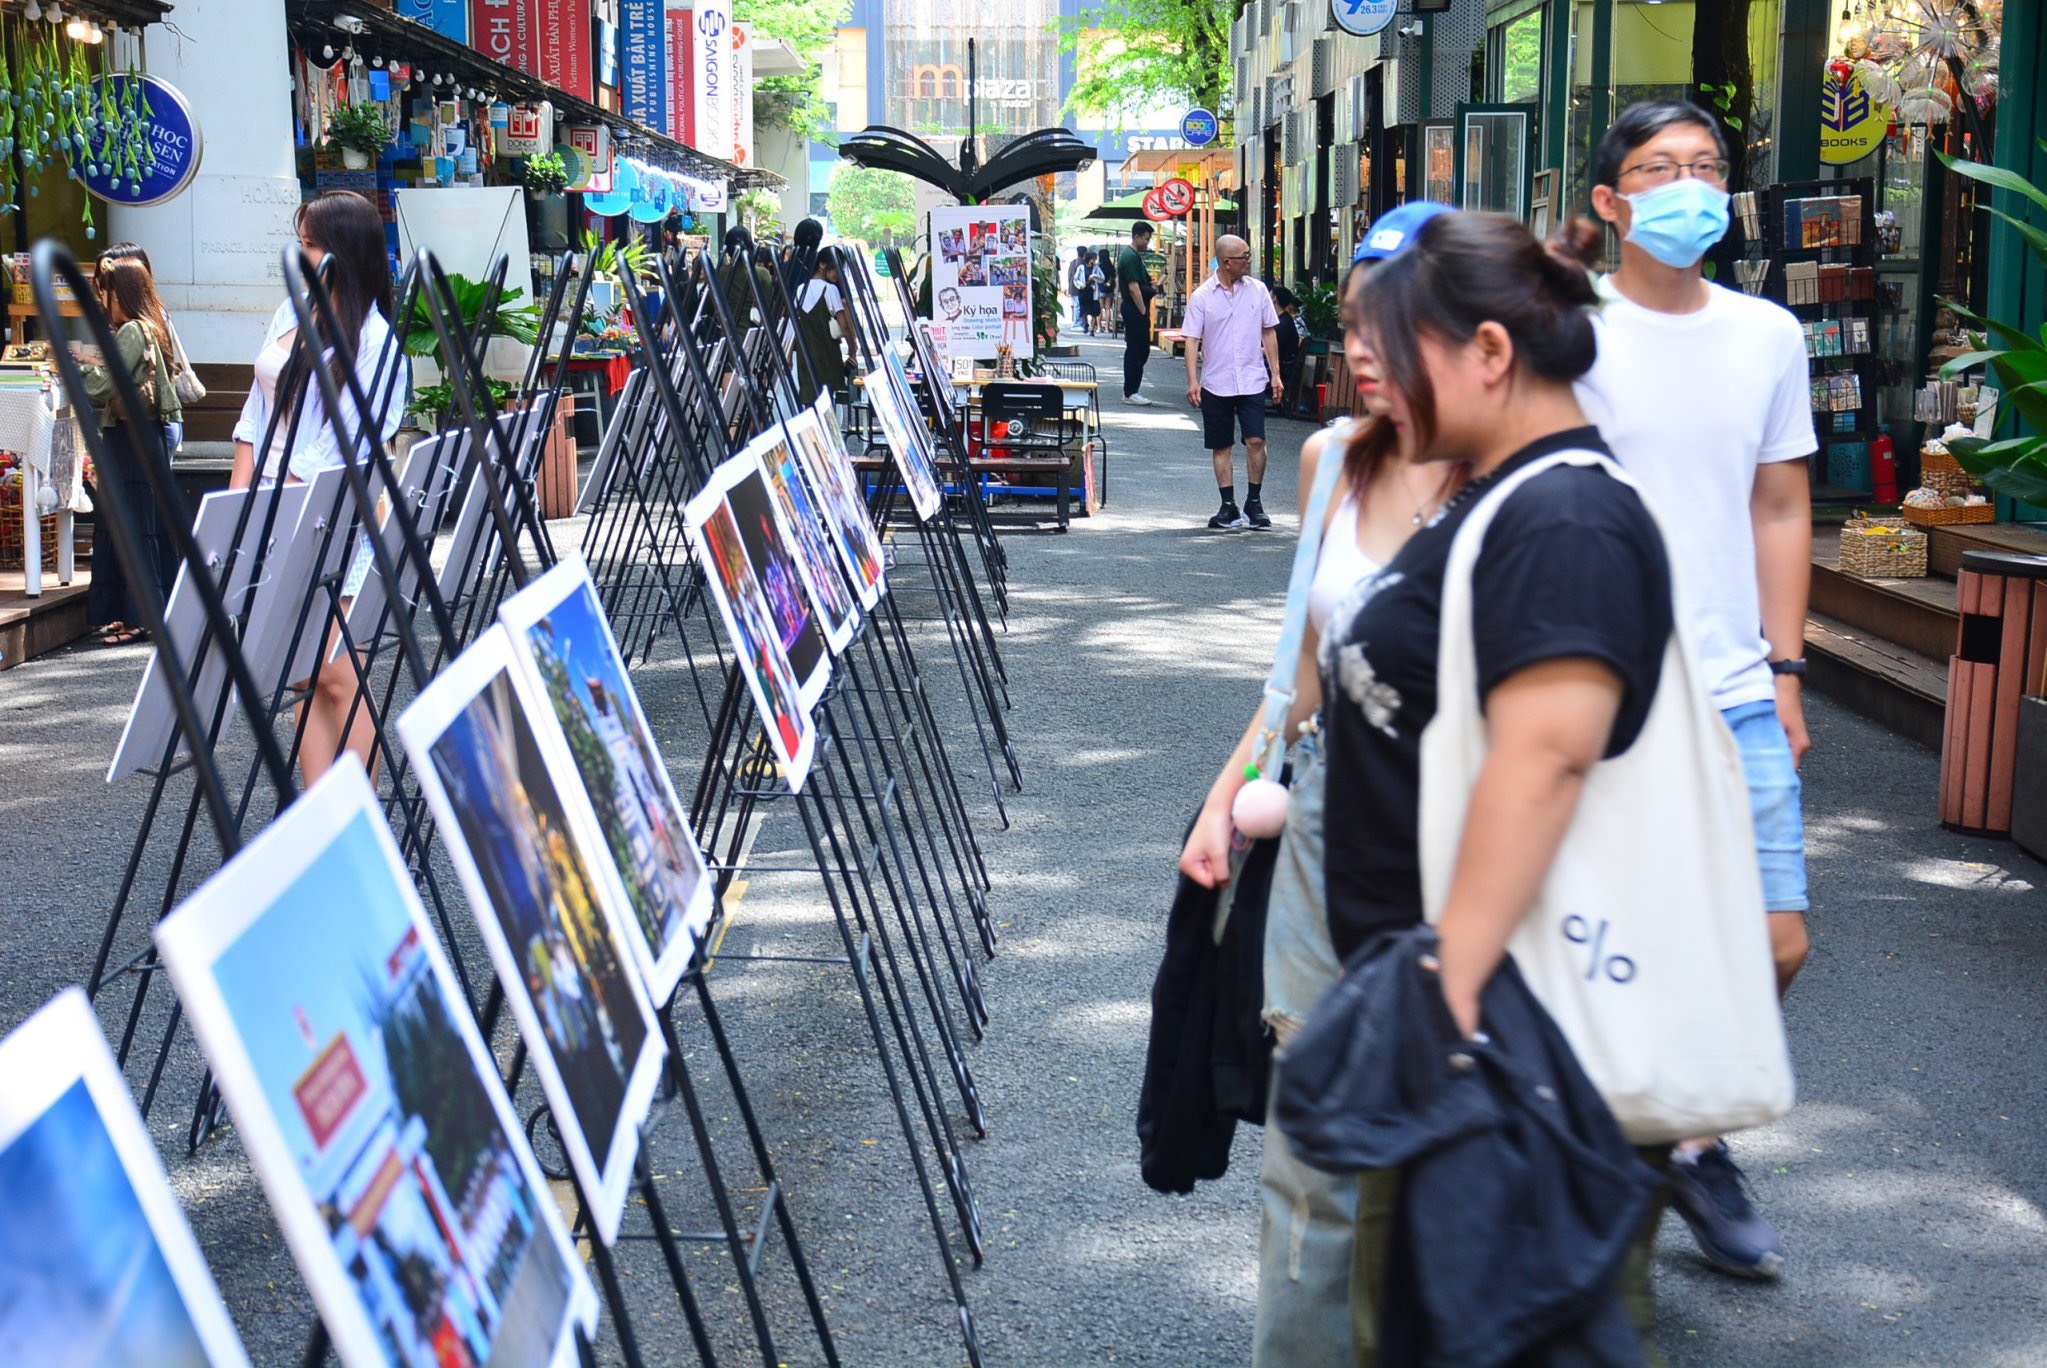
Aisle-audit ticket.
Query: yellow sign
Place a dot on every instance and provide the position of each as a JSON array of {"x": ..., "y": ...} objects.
[{"x": 1852, "y": 125}]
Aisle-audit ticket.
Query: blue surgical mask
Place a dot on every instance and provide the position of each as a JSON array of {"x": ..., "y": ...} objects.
[{"x": 1676, "y": 223}]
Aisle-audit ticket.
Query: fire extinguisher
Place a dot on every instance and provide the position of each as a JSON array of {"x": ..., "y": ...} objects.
[{"x": 1883, "y": 467}]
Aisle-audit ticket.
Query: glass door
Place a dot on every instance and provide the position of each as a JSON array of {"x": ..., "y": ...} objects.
[{"x": 1492, "y": 151}]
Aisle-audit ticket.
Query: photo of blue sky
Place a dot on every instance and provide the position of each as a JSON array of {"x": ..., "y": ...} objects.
[{"x": 82, "y": 1280}]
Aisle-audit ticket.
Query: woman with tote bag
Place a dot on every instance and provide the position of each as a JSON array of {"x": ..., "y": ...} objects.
[
  {"x": 1520, "y": 750},
  {"x": 1361, "y": 500}
]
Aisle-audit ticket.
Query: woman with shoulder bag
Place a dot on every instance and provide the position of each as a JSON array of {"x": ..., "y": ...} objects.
[
  {"x": 184, "y": 379},
  {"x": 1519, "y": 748},
  {"x": 141, "y": 334},
  {"x": 1376, "y": 499}
]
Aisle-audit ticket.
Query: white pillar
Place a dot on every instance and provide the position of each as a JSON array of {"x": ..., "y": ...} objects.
[{"x": 216, "y": 246}]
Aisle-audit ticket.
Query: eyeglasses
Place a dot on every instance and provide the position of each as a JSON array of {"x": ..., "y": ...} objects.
[
  {"x": 1662, "y": 171},
  {"x": 1226, "y": 260}
]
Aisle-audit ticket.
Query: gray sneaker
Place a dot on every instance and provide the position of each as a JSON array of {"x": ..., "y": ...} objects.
[
  {"x": 1139, "y": 400},
  {"x": 1709, "y": 1191}
]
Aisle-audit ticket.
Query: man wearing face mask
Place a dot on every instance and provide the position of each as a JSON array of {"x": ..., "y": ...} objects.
[{"x": 1702, "y": 393}]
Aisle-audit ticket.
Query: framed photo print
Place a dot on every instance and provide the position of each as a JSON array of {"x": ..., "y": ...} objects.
[
  {"x": 501, "y": 801},
  {"x": 797, "y": 624},
  {"x": 559, "y": 634},
  {"x": 749, "y": 622},
  {"x": 903, "y": 429},
  {"x": 366, "y": 1099},
  {"x": 836, "y": 489},
  {"x": 1542, "y": 202},
  {"x": 97, "y": 1263},
  {"x": 802, "y": 529}
]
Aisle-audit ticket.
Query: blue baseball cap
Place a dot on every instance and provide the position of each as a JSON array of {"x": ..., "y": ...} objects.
[{"x": 1395, "y": 228}]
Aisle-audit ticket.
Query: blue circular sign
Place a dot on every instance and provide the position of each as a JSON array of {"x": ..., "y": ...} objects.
[
  {"x": 1362, "y": 17},
  {"x": 172, "y": 133},
  {"x": 1198, "y": 127}
]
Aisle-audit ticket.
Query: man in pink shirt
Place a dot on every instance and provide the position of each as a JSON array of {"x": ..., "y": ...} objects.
[{"x": 1231, "y": 331}]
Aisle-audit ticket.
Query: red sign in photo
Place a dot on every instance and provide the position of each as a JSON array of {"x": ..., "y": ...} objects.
[{"x": 328, "y": 1091}]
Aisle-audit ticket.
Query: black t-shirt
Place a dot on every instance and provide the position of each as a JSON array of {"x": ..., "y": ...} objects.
[{"x": 1572, "y": 566}]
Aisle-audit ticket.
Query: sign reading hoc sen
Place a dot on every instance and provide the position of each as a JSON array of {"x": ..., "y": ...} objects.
[{"x": 173, "y": 136}]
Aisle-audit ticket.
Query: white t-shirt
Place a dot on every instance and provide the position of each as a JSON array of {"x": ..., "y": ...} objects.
[
  {"x": 814, "y": 289},
  {"x": 1692, "y": 404}
]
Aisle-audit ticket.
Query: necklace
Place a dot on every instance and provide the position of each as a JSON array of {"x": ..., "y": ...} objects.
[{"x": 1423, "y": 507}]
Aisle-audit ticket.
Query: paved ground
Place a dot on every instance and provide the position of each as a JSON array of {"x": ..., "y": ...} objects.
[{"x": 1909, "y": 1182}]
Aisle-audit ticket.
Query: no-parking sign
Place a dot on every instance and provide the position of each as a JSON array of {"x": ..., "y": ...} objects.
[
  {"x": 1176, "y": 197},
  {"x": 1154, "y": 206}
]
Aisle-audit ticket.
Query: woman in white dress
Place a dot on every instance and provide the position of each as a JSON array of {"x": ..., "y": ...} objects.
[{"x": 341, "y": 233}]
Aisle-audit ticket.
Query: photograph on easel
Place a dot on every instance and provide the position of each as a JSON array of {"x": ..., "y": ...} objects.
[
  {"x": 803, "y": 530},
  {"x": 559, "y": 632},
  {"x": 776, "y": 568},
  {"x": 366, "y": 1099},
  {"x": 912, "y": 459},
  {"x": 97, "y": 1263},
  {"x": 836, "y": 487},
  {"x": 750, "y": 623},
  {"x": 500, "y": 803}
]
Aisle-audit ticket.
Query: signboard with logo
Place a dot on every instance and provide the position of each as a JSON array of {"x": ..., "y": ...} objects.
[
  {"x": 742, "y": 96},
  {"x": 173, "y": 134},
  {"x": 981, "y": 278},
  {"x": 1362, "y": 17},
  {"x": 707, "y": 196},
  {"x": 710, "y": 72},
  {"x": 1852, "y": 125},
  {"x": 563, "y": 47},
  {"x": 529, "y": 129},
  {"x": 447, "y": 17},
  {"x": 1198, "y": 127},
  {"x": 643, "y": 66},
  {"x": 502, "y": 30},
  {"x": 593, "y": 143}
]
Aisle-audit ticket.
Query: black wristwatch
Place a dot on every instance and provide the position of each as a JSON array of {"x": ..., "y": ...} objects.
[{"x": 1795, "y": 668}]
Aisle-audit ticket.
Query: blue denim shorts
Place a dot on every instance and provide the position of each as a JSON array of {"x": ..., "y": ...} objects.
[{"x": 1773, "y": 792}]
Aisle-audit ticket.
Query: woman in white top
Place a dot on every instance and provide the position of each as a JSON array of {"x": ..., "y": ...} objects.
[
  {"x": 342, "y": 233},
  {"x": 1380, "y": 500}
]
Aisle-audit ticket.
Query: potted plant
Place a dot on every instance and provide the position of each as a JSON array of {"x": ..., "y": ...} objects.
[
  {"x": 2013, "y": 465},
  {"x": 362, "y": 133},
  {"x": 513, "y": 330},
  {"x": 433, "y": 402},
  {"x": 546, "y": 174}
]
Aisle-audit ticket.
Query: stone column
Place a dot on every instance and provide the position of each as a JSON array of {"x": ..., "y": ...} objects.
[{"x": 216, "y": 246}]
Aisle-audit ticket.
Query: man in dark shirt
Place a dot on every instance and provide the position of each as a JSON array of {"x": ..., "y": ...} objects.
[{"x": 1134, "y": 290}]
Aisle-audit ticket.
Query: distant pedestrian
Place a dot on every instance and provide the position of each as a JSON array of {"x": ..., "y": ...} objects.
[
  {"x": 142, "y": 334},
  {"x": 1101, "y": 280},
  {"x": 821, "y": 307},
  {"x": 1289, "y": 305},
  {"x": 1703, "y": 392},
  {"x": 1076, "y": 283},
  {"x": 1230, "y": 318},
  {"x": 1134, "y": 291}
]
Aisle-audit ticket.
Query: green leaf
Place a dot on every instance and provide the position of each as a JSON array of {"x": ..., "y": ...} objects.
[
  {"x": 1965, "y": 361},
  {"x": 2035, "y": 238},
  {"x": 2019, "y": 340},
  {"x": 1996, "y": 176}
]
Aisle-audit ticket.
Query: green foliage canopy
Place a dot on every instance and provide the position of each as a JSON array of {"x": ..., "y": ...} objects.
[
  {"x": 878, "y": 207},
  {"x": 791, "y": 101},
  {"x": 1171, "y": 52}
]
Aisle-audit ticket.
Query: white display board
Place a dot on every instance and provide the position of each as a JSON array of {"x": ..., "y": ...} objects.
[
  {"x": 468, "y": 230},
  {"x": 981, "y": 279}
]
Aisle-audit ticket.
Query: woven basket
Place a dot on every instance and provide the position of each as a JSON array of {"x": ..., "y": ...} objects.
[
  {"x": 1950, "y": 517},
  {"x": 1883, "y": 549},
  {"x": 12, "y": 552},
  {"x": 1942, "y": 472}
]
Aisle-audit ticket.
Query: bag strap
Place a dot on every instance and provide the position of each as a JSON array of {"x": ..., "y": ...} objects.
[{"x": 1268, "y": 751}]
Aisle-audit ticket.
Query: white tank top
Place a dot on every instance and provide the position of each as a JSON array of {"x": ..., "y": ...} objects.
[
  {"x": 269, "y": 369},
  {"x": 1339, "y": 563}
]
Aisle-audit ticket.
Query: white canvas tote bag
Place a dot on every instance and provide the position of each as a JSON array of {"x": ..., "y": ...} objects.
[{"x": 1648, "y": 942}]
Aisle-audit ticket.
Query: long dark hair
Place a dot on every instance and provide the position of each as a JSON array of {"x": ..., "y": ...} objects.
[
  {"x": 125, "y": 284},
  {"x": 356, "y": 271},
  {"x": 1465, "y": 269}
]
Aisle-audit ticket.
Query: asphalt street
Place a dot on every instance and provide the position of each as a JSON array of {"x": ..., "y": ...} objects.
[{"x": 1909, "y": 1183}]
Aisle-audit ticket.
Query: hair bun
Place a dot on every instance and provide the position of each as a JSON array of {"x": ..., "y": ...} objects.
[{"x": 1567, "y": 260}]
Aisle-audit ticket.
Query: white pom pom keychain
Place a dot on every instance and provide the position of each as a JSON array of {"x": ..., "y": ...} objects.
[{"x": 1259, "y": 810}]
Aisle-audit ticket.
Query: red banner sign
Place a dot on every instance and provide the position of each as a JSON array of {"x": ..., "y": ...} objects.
[
  {"x": 328, "y": 1091},
  {"x": 564, "y": 46},
  {"x": 502, "y": 30}
]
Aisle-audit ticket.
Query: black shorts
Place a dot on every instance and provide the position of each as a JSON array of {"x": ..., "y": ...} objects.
[{"x": 1223, "y": 414}]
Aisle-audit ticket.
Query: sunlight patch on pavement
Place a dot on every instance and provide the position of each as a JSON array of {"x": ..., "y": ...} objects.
[{"x": 1963, "y": 874}]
